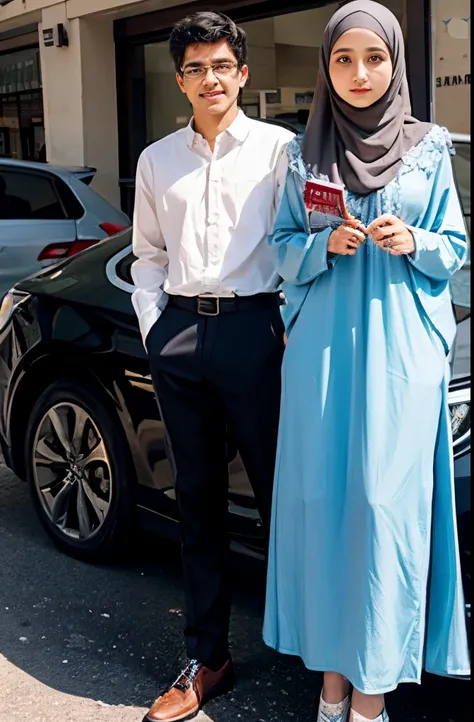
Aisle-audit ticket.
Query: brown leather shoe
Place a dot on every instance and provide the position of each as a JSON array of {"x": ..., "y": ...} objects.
[{"x": 195, "y": 686}]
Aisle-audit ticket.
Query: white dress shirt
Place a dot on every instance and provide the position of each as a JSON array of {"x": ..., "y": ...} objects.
[{"x": 202, "y": 218}]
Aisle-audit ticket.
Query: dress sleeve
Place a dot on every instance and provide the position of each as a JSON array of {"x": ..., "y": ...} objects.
[
  {"x": 302, "y": 255},
  {"x": 440, "y": 237}
]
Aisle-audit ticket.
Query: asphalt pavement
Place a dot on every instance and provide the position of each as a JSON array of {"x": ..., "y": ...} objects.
[{"x": 83, "y": 643}]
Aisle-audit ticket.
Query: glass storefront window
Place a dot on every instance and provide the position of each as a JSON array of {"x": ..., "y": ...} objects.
[
  {"x": 283, "y": 62},
  {"x": 452, "y": 63},
  {"x": 20, "y": 71},
  {"x": 21, "y": 105},
  {"x": 167, "y": 108},
  {"x": 451, "y": 32},
  {"x": 10, "y": 144}
]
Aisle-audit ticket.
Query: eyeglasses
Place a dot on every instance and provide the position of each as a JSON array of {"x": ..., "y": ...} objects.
[{"x": 219, "y": 70}]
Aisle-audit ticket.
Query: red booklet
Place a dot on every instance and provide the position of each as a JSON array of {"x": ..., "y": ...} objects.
[{"x": 325, "y": 197}]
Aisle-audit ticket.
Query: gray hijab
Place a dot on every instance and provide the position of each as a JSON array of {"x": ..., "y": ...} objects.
[{"x": 362, "y": 147}]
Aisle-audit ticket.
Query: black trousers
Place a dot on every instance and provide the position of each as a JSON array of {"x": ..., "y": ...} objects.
[{"x": 210, "y": 373}]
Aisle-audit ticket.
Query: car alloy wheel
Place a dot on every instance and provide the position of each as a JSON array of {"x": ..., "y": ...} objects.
[{"x": 72, "y": 472}]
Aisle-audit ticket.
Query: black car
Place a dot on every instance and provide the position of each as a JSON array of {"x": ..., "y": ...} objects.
[
  {"x": 79, "y": 421},
  {"x": 78, "y": 416}
]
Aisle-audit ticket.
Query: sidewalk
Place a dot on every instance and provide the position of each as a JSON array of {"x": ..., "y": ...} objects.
[{"x": 24, "y": 698}]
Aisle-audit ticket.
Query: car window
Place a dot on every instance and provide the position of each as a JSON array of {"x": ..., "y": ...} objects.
[
  {"x": 72, "y": 207},
  {"x": 28, "y": 196}
]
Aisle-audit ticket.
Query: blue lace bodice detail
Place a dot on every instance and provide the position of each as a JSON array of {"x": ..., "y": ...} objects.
[{"x": 425, "y": 156}]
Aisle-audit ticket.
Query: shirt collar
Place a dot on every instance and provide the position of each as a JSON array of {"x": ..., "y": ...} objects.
[{"x": 239, "y": 130}]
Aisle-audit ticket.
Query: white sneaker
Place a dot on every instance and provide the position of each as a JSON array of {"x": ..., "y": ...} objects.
[
  {"x": 356, "y": 717},
  {"x": 334, "y": 712}
]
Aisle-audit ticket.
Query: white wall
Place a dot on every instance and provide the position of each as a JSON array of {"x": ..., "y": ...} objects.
[
  {"x": 62, "y": 92},
  {"x": 99, "y": 104},
  {"x": 80, "y": 103}
]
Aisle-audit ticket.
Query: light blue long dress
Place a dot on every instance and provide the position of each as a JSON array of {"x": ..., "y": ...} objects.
[{"x": 364, "y": 575}]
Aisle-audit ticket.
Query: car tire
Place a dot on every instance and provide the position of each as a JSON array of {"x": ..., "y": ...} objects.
[{"x": 91, "y": 518}]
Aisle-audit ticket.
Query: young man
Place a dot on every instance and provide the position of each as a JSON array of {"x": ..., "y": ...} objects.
[{"x": 207, "y": 302}]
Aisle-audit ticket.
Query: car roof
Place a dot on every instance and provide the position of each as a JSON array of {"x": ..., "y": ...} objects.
[{"x": 60, "y": 170}]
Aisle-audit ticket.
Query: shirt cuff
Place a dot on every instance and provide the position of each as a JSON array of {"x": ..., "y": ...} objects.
[
  {"x": 148, "y": 317},
  {"x": 146, "y": 322}
]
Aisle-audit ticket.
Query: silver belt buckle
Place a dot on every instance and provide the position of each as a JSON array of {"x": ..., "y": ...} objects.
[{"x": 205, "y": 299}]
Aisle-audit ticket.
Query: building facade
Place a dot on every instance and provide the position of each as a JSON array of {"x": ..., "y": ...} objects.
[{"x": 90, "y": 82}]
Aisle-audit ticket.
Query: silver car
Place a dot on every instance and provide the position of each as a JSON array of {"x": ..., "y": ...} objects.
[{"x": 47, "y": 213}]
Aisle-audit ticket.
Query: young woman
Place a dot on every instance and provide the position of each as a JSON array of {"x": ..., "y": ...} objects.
[{"x": 364, "y": 578}]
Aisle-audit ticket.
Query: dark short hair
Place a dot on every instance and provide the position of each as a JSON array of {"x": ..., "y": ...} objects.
[{"x": 207, "y": 27}]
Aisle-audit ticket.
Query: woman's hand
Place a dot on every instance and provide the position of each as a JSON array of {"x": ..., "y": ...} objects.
[
  {"x": 346, "y": 239},
  {"x": 391, "y": 234}
]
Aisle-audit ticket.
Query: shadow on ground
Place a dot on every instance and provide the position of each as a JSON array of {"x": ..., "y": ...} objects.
[{"x": 114, "y": 633}]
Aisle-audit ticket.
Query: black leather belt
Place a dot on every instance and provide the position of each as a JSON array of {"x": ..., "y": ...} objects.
[{"x": 214, "y": 305}]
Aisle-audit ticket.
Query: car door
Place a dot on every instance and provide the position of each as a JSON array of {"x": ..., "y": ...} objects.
[
  {"x": 32, "y": 216},
  {"x": 158, "y": 491}
]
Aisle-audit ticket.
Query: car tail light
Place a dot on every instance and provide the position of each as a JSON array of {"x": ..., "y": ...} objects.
[
  {"x": 112, "y": 228},
  {"x": 56, "y": 251}
]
